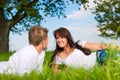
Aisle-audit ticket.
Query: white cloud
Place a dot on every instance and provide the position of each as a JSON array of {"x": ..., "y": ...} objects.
[
  {"x": 82, "y": 13},
  {"x": 89, "y": 29}
]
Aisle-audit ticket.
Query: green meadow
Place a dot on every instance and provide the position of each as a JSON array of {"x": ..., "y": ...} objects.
[{"x": 110, "y": 70}]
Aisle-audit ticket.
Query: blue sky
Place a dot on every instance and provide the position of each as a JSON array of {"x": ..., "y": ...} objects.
[{"x": 80, "y": 23}]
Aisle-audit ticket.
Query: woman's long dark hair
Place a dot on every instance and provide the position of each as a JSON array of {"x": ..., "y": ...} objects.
[
  {"x": 84, "y": 50},
  {"x": 64, "y": 33}
]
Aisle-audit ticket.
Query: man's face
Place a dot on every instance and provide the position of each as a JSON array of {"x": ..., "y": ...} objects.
[{"x": 45, "y": 43}]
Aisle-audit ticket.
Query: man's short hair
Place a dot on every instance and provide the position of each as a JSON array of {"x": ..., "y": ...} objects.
[{"x": 37, "y": 34}]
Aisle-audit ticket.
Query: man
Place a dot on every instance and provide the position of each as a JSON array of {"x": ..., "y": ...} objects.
[{"x": 30, "y": 57}]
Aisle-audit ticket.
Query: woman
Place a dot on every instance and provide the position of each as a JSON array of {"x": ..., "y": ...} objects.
[{"x": 73, "y": 54}]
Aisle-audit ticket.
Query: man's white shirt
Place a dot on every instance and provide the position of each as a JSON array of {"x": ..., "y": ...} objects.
[{"x": 25, "y": 60}]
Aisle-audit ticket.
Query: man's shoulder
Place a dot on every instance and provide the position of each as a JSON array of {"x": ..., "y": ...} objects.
[{"x": 25, "y": 49}]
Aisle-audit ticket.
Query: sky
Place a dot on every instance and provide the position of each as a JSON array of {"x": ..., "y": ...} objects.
[{"x": 80, "y": 23}]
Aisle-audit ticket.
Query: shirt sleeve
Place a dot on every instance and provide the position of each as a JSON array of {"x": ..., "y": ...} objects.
[
  {"x": 81, "y": 43},
  {"x": 25, "y": 65},
  {"x": 20, "y": 63},
  {"x": 3, "y": 66}
]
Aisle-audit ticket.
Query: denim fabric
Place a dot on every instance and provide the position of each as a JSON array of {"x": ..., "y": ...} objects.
[{"x": 101, "y": 56}]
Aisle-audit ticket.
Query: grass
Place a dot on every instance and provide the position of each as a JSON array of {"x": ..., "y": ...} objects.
[{"x": 110, "y": 70}]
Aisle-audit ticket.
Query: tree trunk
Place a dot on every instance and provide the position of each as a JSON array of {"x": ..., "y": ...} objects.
[
  {"x": 4, "y": 39},
  {"x": 4, "y": 33}
]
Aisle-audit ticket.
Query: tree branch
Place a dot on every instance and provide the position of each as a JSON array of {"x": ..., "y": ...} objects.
[{"x": 20, "y": 15}]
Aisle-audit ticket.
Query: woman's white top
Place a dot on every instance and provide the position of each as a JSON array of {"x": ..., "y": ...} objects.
[
  {"x": 24, "y": 60},
  {"x": 77, "y": 59}
]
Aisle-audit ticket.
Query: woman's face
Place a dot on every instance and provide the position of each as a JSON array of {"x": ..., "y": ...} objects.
[{"x": 62, "y": 42}]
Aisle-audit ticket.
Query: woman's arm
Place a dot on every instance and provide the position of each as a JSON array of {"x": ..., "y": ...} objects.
[
  {"x": 55, "y": 67},
  {"x": 119, "y": 48},
  {"x": 94, "y": 46}
]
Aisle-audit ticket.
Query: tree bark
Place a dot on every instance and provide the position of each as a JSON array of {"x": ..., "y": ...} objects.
[
  {"x": 4, "y": 33},
  {"x": 4, "y": 39}
]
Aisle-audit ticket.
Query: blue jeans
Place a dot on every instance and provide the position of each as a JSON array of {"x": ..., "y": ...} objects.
[{"x": 101, "y": 56}]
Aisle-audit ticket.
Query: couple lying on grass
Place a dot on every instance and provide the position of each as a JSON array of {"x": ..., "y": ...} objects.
[{"x": 71, "y": 54}]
